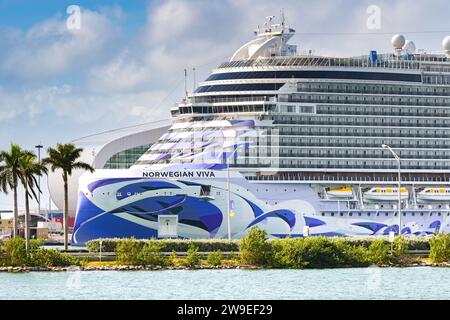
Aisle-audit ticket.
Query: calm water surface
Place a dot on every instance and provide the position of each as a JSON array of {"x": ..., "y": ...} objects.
[{"x": 361, "y": 283}]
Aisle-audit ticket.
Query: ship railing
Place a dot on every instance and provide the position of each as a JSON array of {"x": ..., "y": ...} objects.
[
  {"x": 234, "y": 99},
  {"x": 343, "y": 179},
  {"x": 384, "y": 61}
]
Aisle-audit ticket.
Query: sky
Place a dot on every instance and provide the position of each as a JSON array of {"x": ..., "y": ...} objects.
[{"x": 123, "y": 63}]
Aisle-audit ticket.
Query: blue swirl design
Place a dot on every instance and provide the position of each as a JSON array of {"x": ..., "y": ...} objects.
[
  {"x": 372, "y": 226},
  {"x": 87, "y": 210},
  {"x": 313, "y": 222},
  {"x": 105, "y": 182},
  {"x": 285, "y": 215},
  {"x": 393, "y": 228},
  {"x": 137, "y": 188},
  {"x": 110, "y": 226},
  {"x": 257, "y": 211},
  {"x": 92, "y": 222},
  {"x": 435, "y": 225}
]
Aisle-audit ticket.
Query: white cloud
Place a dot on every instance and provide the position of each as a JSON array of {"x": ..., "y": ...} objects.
[
  {"x": 124, "y": 79},
  {"x": 49, "y": 49},
  {"x": 171, "y": 19}
]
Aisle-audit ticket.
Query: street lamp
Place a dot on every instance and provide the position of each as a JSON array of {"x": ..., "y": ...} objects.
[
  {"x": 229, "y": 197},
  {"x": 39, "y": 147},
  {"x": 397, "y": 158}
]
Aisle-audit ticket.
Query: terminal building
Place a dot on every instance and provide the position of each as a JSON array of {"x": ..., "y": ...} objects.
[{"x": 115, "y": 149}]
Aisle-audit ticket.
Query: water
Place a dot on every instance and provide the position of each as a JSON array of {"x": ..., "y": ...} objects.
[{"x": 362, "y": 283}]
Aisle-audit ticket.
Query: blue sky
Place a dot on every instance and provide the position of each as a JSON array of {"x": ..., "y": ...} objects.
[{"x": 125, "y": 64}]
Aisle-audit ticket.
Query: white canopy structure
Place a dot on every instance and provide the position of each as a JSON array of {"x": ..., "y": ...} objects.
[{"x": 270, "y": 42}]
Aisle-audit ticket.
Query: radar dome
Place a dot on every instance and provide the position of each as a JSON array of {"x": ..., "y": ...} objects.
[
  {"x": 446, "y": 44},
  {"x": 409, "y": 47},
  {"x": 398, "y": 41}
]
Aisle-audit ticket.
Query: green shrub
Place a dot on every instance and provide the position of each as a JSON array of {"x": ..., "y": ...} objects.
[
  {"x": 2, "y": 256},
  {"x": 440, "y": 248},
  {"x": 151, "y": 255},
  {"x": 379, "y": 252},
  {"x": 234, "y": 256},
  {"x": 400, "y": 248},
  {"x": 322, "y": 252},
  {"x": 316, "y": 252},
  {"x": 215, "y": 258},
  {"x": 15, "y": 253},
  {"x": 353, "y": 255},
  {"x": 52, "y": 258},
  {"x": 128, "y": 252},
  {"x": 168, "y": 245},
  {"x": 193, "y": 258},
  {"x": 254, "y": 247},
  {"x": 288, "y": 253},
  {"x": 173, "y": 259}
]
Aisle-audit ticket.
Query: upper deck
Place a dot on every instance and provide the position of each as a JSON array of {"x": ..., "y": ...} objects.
[{"x": 383, "y": 61}]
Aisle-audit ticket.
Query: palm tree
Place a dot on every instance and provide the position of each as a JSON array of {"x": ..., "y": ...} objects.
[
  {"x": 9, "y": 176},
  {"x": 65, "y": 157},
  {"x": 29, "y": 168}
]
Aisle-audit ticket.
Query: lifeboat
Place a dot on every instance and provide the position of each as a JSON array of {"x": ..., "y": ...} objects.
[
  {"x": 344, "y": 192},
  {"x": 385, "y": 194},
  {"x": 434, "y": 194}
]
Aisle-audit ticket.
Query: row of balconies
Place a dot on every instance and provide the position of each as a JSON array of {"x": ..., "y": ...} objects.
[
  {"x": 293, "y": 177},
  {"x": 362, "y": 156},
  {"x": 361, "y": 123},
  {"x": 365, "y": 134},
  {"x": 321, "y": 99},
  {"x": 363, "y": 144},
  {"x": 446, "y": 113},
  {"x": 387, "y": 91}
]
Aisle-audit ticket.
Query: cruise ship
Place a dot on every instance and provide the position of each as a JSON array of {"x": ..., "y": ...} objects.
[{"x": 290, "y": 143}]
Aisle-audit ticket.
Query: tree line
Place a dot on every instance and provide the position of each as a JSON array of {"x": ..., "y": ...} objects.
[{"x": 21, "y": 167}]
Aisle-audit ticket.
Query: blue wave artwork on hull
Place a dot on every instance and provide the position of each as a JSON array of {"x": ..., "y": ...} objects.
[{"x": 132, "y": 207}]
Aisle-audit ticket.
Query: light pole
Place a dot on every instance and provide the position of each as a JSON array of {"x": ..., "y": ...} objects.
[
  {"x": 39, "y": 147},
  {"x": 397, "y": 158},
  {"x": 229, "y": 197}
]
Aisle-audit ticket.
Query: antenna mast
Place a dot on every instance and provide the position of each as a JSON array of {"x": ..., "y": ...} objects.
[
  {"x": 195, "y": 80},
  {"x": 185, "y": 83}
]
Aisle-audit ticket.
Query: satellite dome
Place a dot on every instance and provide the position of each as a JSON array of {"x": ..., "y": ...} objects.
[
  {"x": 409, "y": 47},
  {"x": 446, "y": 44},
  {"x": 398, "y": 41}
]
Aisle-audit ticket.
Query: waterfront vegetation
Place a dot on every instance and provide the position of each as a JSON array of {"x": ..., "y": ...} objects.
[
  {"x": 21, "y": 166},
  {"x": 13, "y": 253},
  {"x": 255, "y": 250},
  {"x": 168, "y": 245},
  {"x": 440, "y": 248},
  {"x": 65, "y": 158}
]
